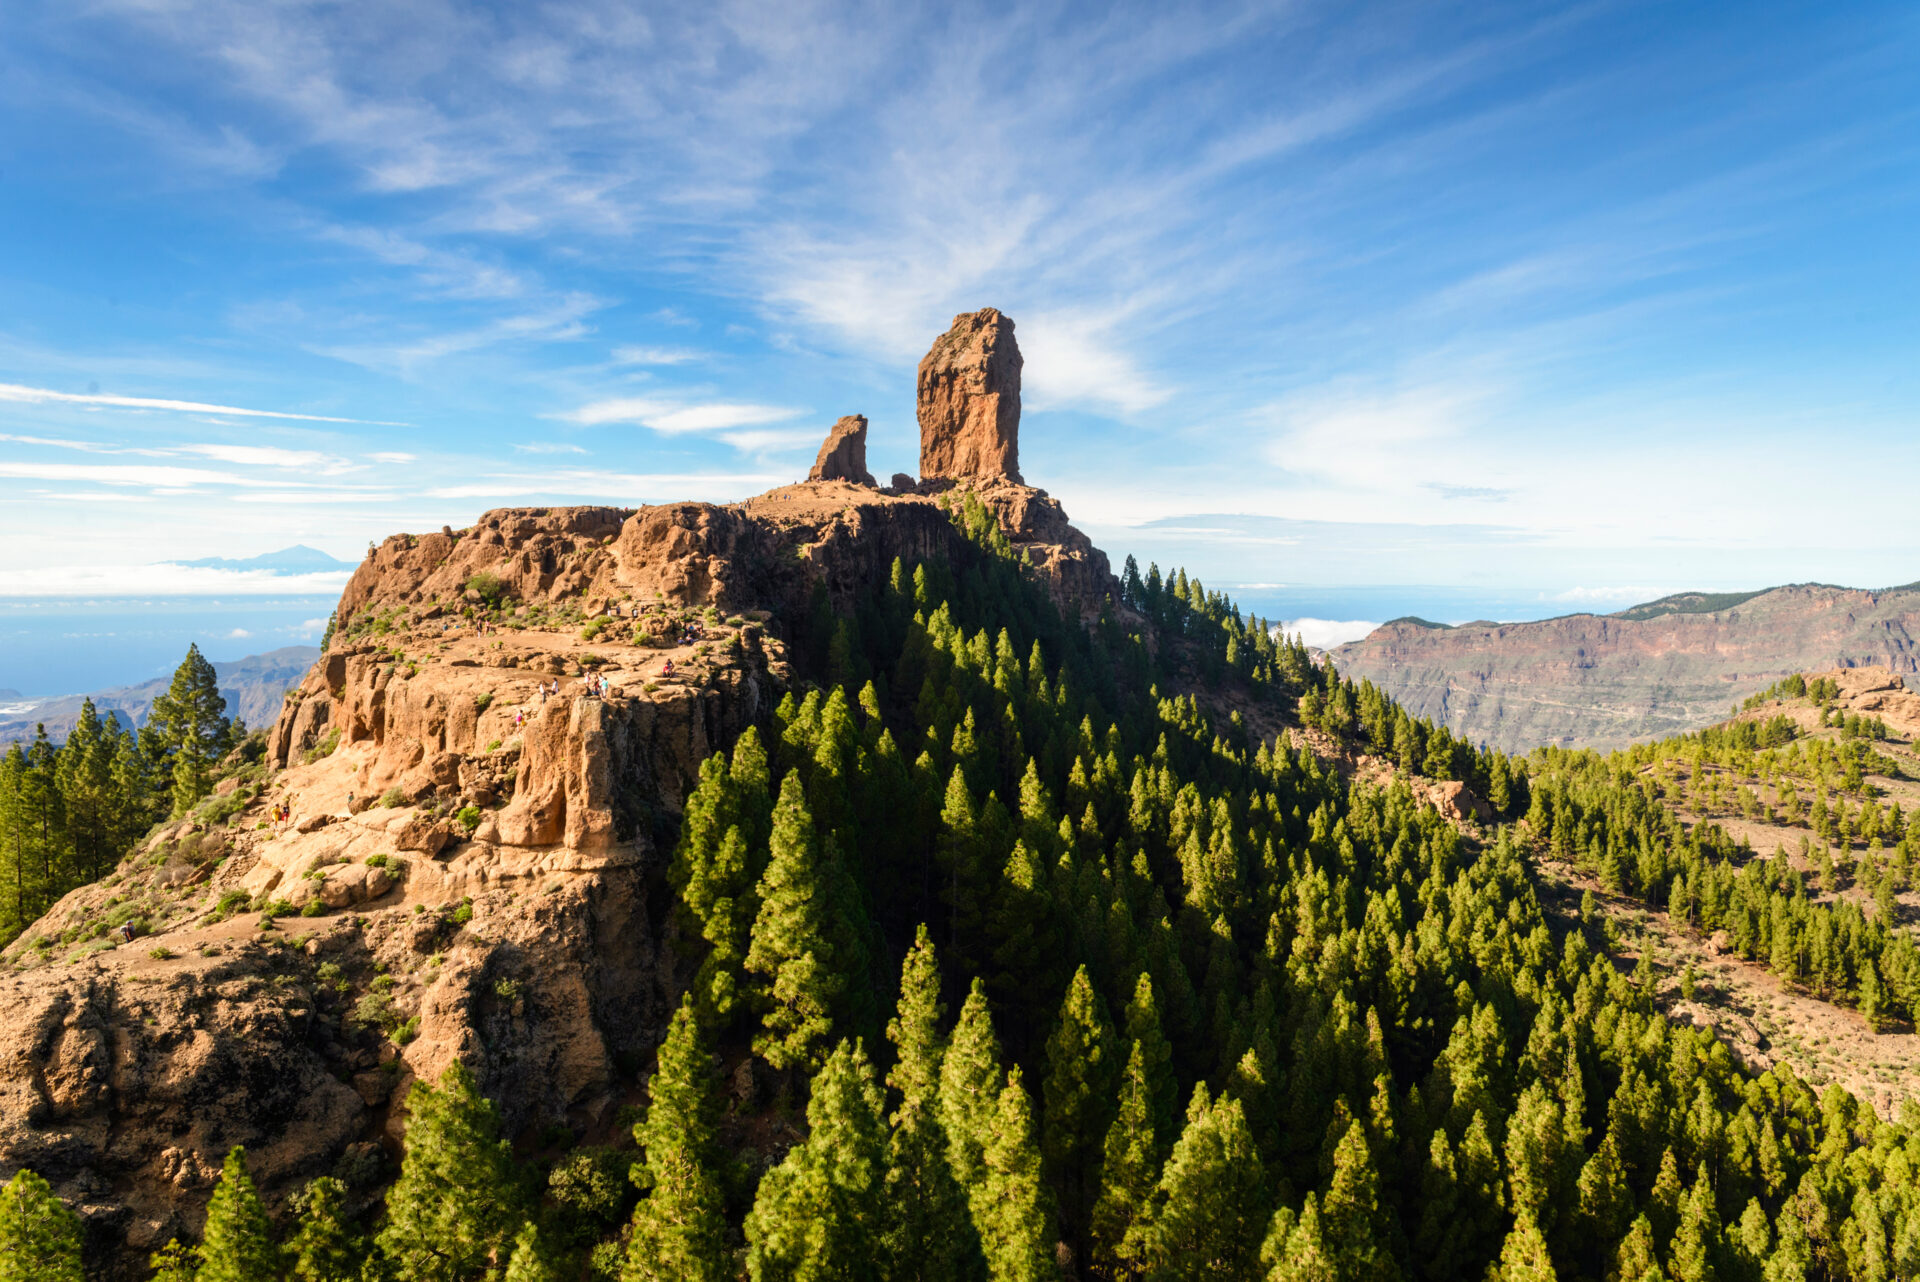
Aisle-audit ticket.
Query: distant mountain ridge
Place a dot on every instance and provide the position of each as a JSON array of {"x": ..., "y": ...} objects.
[
  {"x": 1602, "y": 681},
  {"x": 253, "y": 688},
  {"x": 298, "y": 559}
]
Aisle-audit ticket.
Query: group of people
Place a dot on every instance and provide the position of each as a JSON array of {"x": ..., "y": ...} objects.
[
  {"x": 597, "y": 687},
  {"x": 282, "y": 811}
]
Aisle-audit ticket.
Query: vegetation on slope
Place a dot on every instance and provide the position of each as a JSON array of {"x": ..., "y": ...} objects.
[
  {"x": 68, "y": 813},
  {"x": 1217, "y": 1011},
  {"x": 1653, "y": 822}
]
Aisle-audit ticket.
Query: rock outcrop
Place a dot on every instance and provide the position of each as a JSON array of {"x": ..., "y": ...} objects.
[
  {"x": 459, "y": 841},
  {"x": 969, "y": 400},
  {"x": 843, "y": 456}
]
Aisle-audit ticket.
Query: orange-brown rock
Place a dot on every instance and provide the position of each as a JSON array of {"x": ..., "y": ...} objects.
[
  {"x": 969, "y": 399},
  {"x": 843, "y": 456},
  {"x": 483, "y": 777}
]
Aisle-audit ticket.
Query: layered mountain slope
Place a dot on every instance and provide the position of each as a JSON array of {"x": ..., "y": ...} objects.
[
  {"x": 252, "y": 687},
  {"x": 1607, "y": 680}
]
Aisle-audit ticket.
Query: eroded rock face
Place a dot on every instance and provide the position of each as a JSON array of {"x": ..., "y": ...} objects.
[
  {"x": 1604, "y": 681},
  {"x": 474, "y": 796},
  {"x": 843, "y": 457},
  {"x": 969, "y": 399}
]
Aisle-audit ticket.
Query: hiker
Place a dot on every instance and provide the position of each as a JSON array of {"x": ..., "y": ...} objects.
[{"x": 668, "y": 670}]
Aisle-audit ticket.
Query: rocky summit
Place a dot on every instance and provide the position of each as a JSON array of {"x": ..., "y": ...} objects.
[
  {"x": 843, "y": 455},
  {"x": 969, "y": 395},
  {"x": 473, "y": 795}
]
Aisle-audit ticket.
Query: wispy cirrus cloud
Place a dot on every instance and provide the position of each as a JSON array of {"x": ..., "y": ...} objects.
[
  {"x": 675, "y": 417},
  {"x": 630, "y": 355},
  {"x": 46, "y": 396}
]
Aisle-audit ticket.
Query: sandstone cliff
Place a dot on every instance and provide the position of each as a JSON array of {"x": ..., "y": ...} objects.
[
  {"x": 456, "y": 850},
  {"x": 1607, "y": 680},
  {"x": 969, "y": 393},
  {"x": 843, "y": 455}
]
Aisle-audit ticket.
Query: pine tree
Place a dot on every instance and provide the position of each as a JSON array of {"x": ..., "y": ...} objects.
[
  {"x": 531, "y": 1261},
  {"x": 323, "y": 1248},
  {"x": 1011, "y": 1208},
  {"x": 1207, "y": 1217},
  {"x": 970, "y": 1082},
  {"x": 679, "y": 1227},
  {"x": 189, "y": 720},
  {"x": 930, "y": 1235},
  {"x": 1792, "y": 1256},
  {"x": 1082, "y": 1074},
  {"x": 1690, "y": 1258},
  {"x": 1355, "y": 1223},
  {"x": 1296, "y": 1250},
  {"x": 460, "y": 1197},
  {"x": 1130, "y": 1165},
  {"x": 821, "y": 1213},
  {"x": 39, "y": 1236},
  {"x": 1635, "y": 1259},
  {"x": 174, "y": 1263},
  {"x": 804, "y": 946},
  {"x": 238, "y": 1243},
  {"x": 1524, "y": 1257},
  {"x": 1145, "y": 1029}
]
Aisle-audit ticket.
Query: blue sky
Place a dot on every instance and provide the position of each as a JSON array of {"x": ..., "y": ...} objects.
[{"x": 1603, "y": 300}]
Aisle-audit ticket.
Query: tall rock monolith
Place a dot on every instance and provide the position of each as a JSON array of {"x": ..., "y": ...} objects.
[
  {"x": 969, "y": 393},
  {"x": 843, "y": 456}
]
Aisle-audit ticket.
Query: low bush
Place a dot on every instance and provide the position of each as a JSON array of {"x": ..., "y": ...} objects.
[
  {"x": 490, "y": 588},
  {"x": 324, "y": 748},
  {"x": 231, "y": 902}
]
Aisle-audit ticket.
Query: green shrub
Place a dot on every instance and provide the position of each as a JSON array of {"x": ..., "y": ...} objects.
[
  {"x": 593, "y": 629},
  {"x": 482, "y": 701},
  {"x": 230, "y": 903},
  {"x": 379, "y": 861},
  {"x": 392, "y": 798},
  {"x": 375, "y": 1010},
  {"x": 162, "y": 953},
  {"x": 490, "y": 588},
  {"x": 507, "y": 989},
  {"x": 468, "y": 817},
  {"x": 324, "y": 748},
  {"x": 315, "y": 907},
  {"x": 462, "y": 914},
  {"x": 407, "y": 1031}
]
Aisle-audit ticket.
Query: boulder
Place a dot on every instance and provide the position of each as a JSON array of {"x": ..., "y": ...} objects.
[
  {"x": 843, "y": 456},
  {"x": 354, "y": 884},
  {"x": 902, "y": 483},
  {"x": 969, "y": 398},
  {"x": 422, "y": 834},
  {"x": 1455, "y": 802}
]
